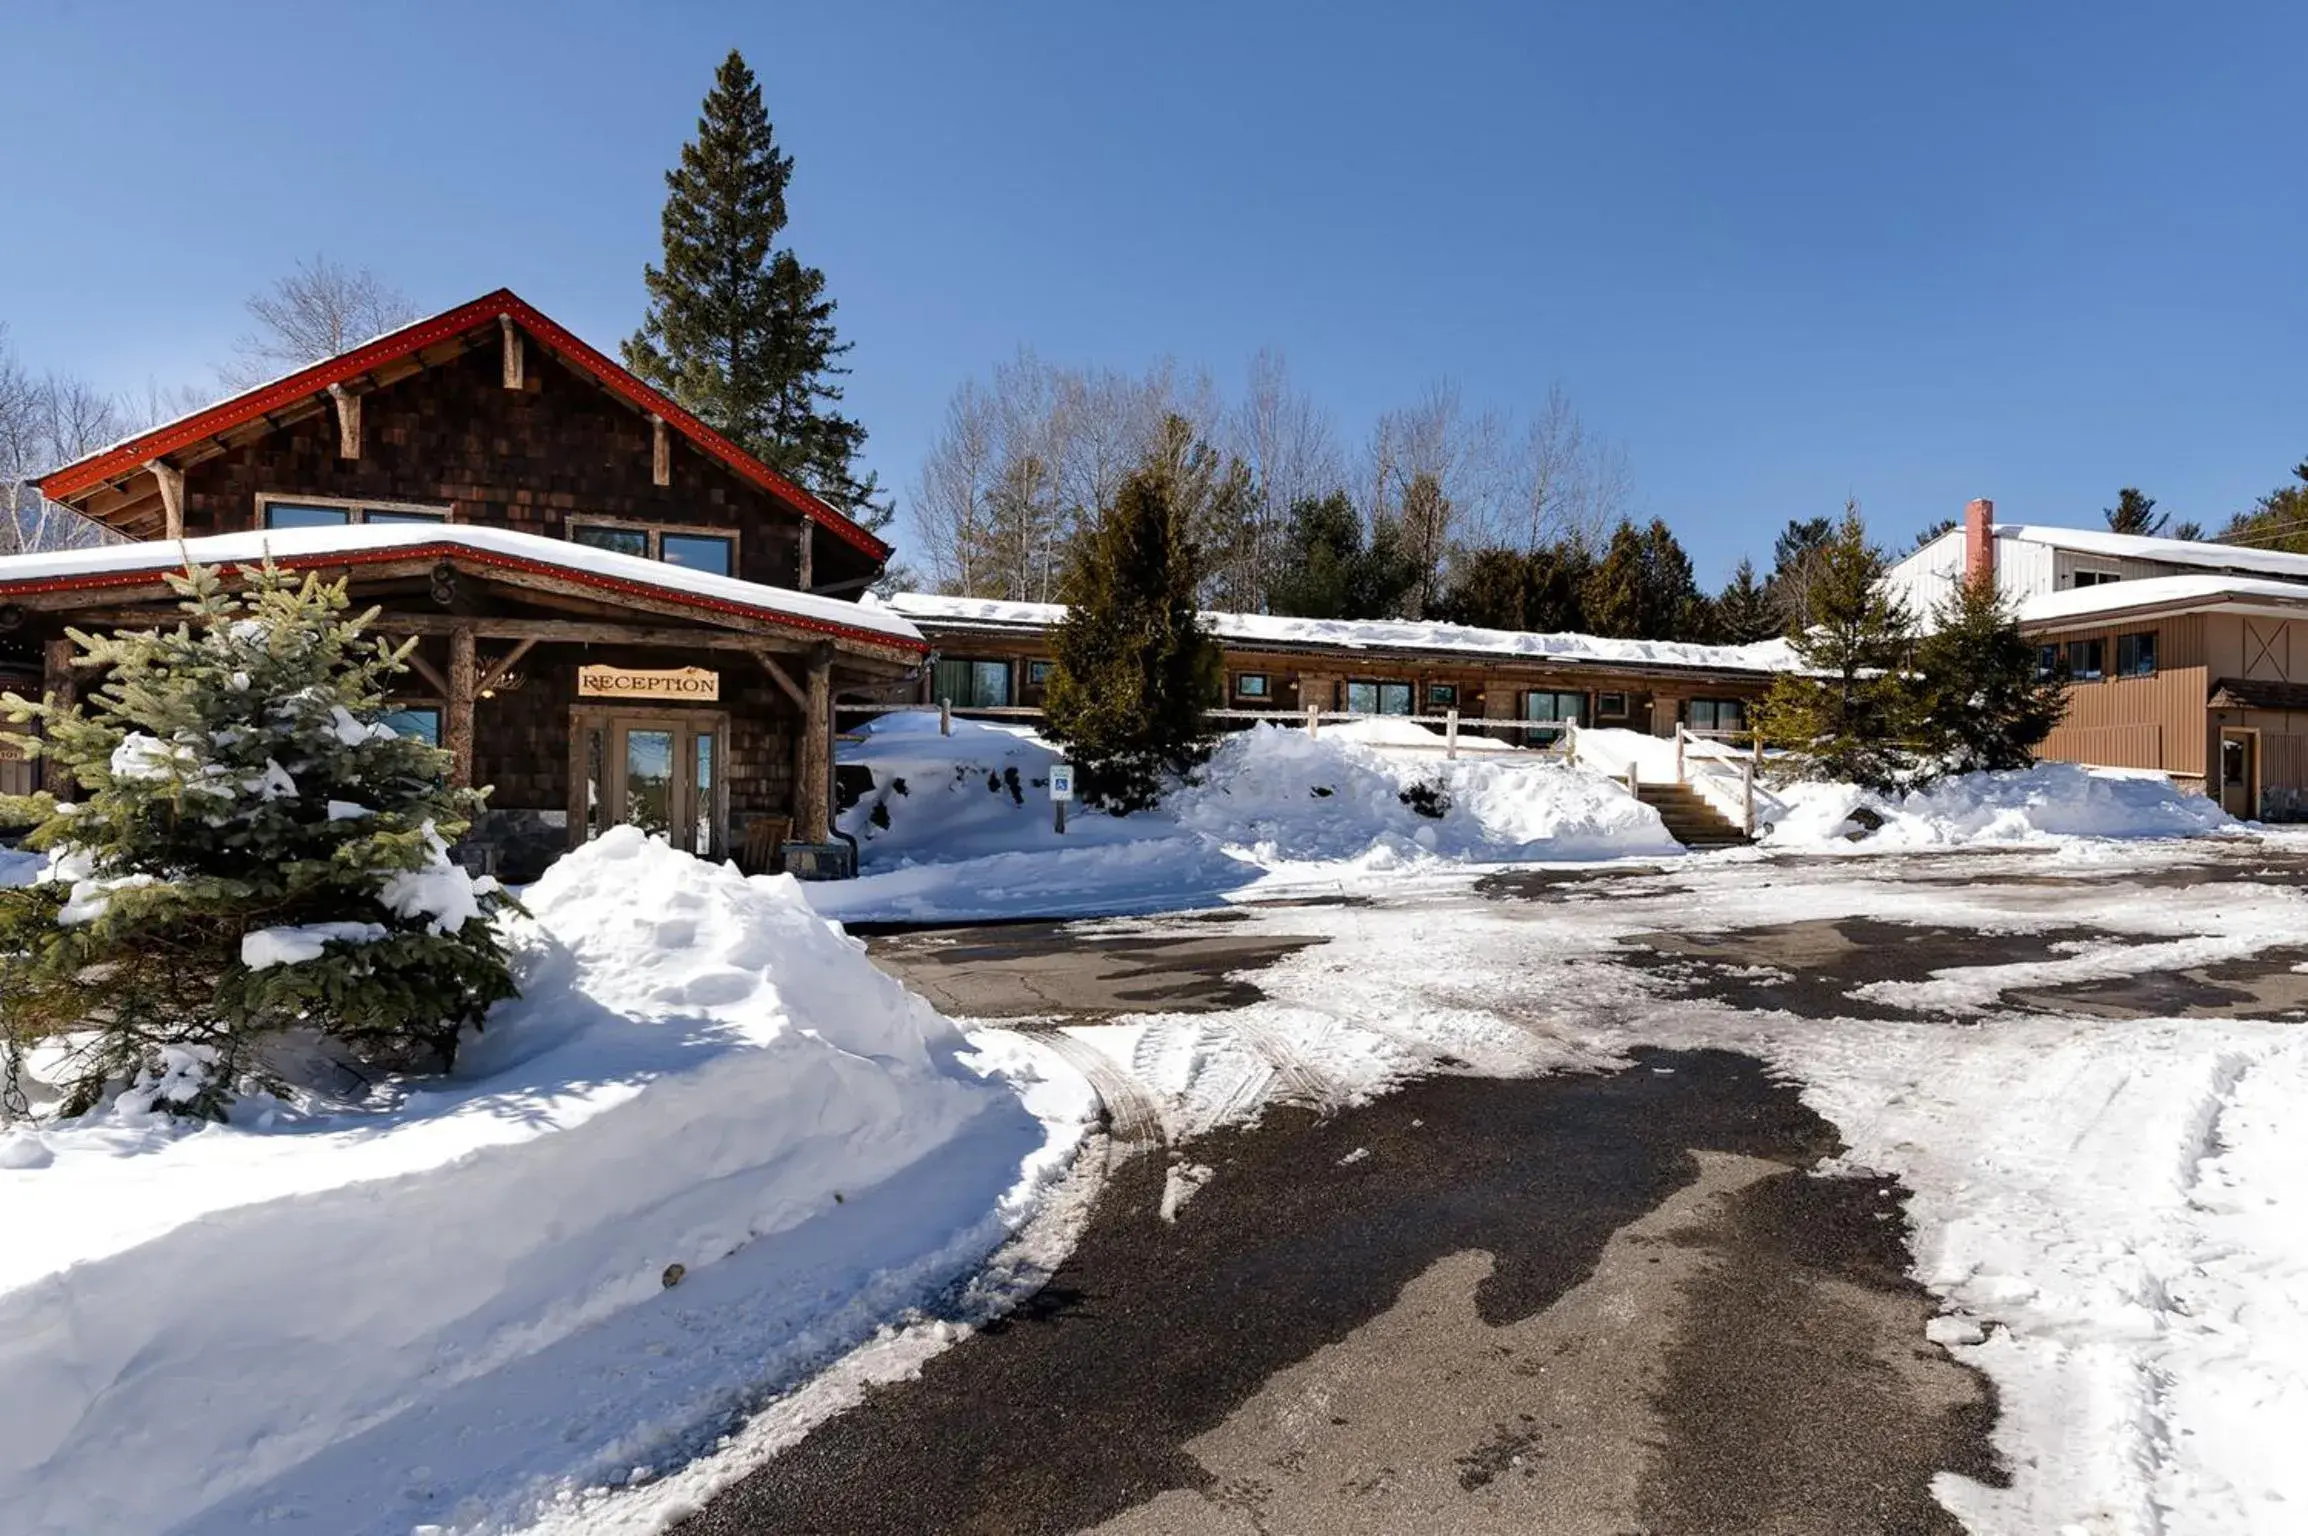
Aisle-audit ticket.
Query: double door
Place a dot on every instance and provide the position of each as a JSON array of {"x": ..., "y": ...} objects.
[{"x": 659, "y": 770}]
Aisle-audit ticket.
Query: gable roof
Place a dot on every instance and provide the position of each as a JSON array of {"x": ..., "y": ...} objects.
[
  {"x": 101, "y": 567},
  {"x": 126, "y": 458}
]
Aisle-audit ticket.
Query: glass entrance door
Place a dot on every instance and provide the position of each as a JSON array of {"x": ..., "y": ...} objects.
[{"x": 660, "y": 772}]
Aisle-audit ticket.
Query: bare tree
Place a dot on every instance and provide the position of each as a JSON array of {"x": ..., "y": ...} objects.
[
  {"x": 316, "y": 311},
  {"x": 1291, "y": 451},
  {"x": 47, "y": 420}
]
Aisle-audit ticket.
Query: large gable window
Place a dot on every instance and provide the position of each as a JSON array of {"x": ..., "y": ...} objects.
[
  {"x": 329, "y": 512},
  {"x": 693, "y": 549}
]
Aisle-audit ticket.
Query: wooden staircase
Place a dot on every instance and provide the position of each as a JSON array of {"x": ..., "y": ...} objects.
[{"x": 1690, "y": 819}]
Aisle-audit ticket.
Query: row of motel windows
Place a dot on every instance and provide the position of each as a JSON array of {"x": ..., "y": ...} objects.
[
  {"x": 689, "y": 548},
  {"x": 2086, "y": 661},
  {"x": 966, "y": 683}
]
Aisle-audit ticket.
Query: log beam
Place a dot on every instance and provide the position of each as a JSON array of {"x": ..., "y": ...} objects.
[
  {"x": 813, "y": 795},
  {"x": 171, "y": 482},
  {"x": 807, "y": 560},
  {"x": 348, "y": 421},
  {"x": 784, "y": 680},
  {"x": 430, "y": 673},
  {"x": 457, "y": 724},
  {"x": 516, "y": 362},
  {"x": 660, "y": 452}
]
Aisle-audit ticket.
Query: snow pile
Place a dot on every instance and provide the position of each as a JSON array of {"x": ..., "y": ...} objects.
[
  {"x": 457, "y": 1294},
  {"x": 1286, "y": 797},
  {"x": 960, "y": 826},
  {"x": 20, "y": 866},
  {"x": 2049, "y": 803}
]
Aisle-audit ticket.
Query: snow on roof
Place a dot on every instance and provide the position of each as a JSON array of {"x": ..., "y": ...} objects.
[
  {"x": 2116, "y": 597},
  {"x": 2127, "y": 546},
  {"x": 370, "y": 542},
  {"x": 1383, "y": 634}
]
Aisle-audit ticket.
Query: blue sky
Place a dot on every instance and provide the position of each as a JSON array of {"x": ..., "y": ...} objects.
[{"x": 1785, "y": 252}]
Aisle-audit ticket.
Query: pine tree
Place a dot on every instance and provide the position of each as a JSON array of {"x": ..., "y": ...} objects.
[
  {"x": 1322, "y": 548},
  {"x": 251, "y": 853},
  {"x": 1135, "y": 671},
  {"x": 1983, "y": 704},
  {"x": 1384, "y": 580},
  {"x": 1850, "y": 712},
  {"x": 1744, "y": 613},
  {"x": 1643, "y": 588},
  {"x": 738, "y": 330},
  {"x": 2135, "y": 514},
  {"x": 1934, "y": 530},
  {"x": 2278, "y": 521},
  {"x": 1794, "y": 556},
  {"x": 1490, "y": 588}
]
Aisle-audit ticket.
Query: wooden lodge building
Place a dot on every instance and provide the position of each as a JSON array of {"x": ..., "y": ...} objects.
[
  {"x": 995, "y": 657},
  {"x": 621, "y": 616}
]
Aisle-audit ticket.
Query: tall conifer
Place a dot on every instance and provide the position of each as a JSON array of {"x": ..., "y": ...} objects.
[{"x": 738, "y": 330}]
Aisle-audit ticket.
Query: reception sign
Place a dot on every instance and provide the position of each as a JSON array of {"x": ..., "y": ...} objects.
[{"x": 695, "y": 684}]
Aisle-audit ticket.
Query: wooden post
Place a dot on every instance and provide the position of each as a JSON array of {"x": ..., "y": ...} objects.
[
  {"x": 516, "y": 363},
  {"x": 1747, "y": 791},
  {"x": 348, "y": 421},
  {"x": 1680, "y": 776},
  {"x": 660, "y": 452},
  {"x": 171, "y": 496},
  {"x": 61, "y": 689},
  {"x": 1451, "y": 734},
  {"x": 807, "y": 543},
  {"x": 945, "y": 717},
  {"x": 457, "y": 728},
  {"x": 1313, "y": 720},
  {"x": 813, "y": 796}
]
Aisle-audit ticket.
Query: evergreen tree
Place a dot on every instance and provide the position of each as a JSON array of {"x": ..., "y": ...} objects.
[
  {"x": 1743, "y": 612},
  {"x": 738, "y": 330},
  {"x": 2134, "y": 513},
  {"x": 1643, "y": 588},
  {"x": 1850, "y": 713},
  {"x": 1981, "y": 701},
  {"x": 1322, "y": 551},
  {"x": 1794, "y": 556},
  {"x": 2192, "y": 532},
  {"x": 250, "y": 853},
  {"x": 1931, "y": 531},
  {"x": 1490, "y": 588},
  {"x": 2278, "y": 521},
  {"x": 1134, "y": 668},
  {"x": 1385, "y": 578},
  {"x": 1556, "y": 602}
]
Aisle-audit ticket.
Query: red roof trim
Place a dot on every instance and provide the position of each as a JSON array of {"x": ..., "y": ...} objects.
[
  {"x": 73, "y": 479},
  {"x": 467, "y": 554}
]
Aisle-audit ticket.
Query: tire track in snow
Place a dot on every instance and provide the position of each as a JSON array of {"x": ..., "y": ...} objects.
[
  {"x": 1300, "y": 1078},
  {"x": 1134, "y": 1121}
]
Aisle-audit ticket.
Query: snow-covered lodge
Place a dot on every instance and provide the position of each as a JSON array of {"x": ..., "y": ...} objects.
[
  {"x": 2189, "y": 658},
  {"x": 995, "y": 657},
  {"x": 620, "y": 615}
]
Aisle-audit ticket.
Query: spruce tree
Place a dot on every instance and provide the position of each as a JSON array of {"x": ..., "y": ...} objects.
[
  {"x": 738, "y": 330},
  {"x": 1135, "y": 670},
  {"x": 1643, "y": 588},
  {"x": 249, "y": 852},
  {"x": 1744, "y": 613},
  {"x": 2279, "y": 520},
  {"x": 2134, "y": 513},
  {"x": 1794, "y": 556},
  {"x": 1982, "y": 703},
  {"x": 1850, "y": 712},
  {"x": 1490, "y": 588},
  {"x": 1322, "y": 548}
]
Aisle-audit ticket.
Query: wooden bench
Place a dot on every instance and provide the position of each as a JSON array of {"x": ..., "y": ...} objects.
[{"x": 765, "y": 838}]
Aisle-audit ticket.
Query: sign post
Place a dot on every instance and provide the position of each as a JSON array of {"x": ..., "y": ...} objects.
[{"x": 1061, "y": 790}]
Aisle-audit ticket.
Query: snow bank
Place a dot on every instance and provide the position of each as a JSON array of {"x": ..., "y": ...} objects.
[
  {"x": 19, "y": 867},
  {"x": 2049, "y": 803},
  {"x": 448, "y": 1303},
  {"x": 970, "y": 832},
  {"x": 1342, "y": 794}
]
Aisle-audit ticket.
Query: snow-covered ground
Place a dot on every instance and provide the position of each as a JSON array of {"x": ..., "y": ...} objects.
[
  {"x": 2115, "y": 1213},
  {"x": 961, "y": 826},
  {"x": 710, "y": 1148}
]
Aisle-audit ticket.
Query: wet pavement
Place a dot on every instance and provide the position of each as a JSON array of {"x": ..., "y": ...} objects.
[
  {"x": 1080, "y": 971},
  {"x": 1575, "y": 1304}
]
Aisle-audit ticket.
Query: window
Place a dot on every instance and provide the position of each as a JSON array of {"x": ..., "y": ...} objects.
[
  {"x": 2094, "y": 578},
  {"x": 327, "y": 512},
  {"x": 1549, "y": 711},
  {"x": 1378, "y": 698},
  {"x": 1610, "y": 706},
  {"x": 2136, "y": 655},
  {"x": 422, "y": 721},
  {"x": 1038, "y": 673},
  {"x": 1705, "y": 715},
  {"x": 2087, "y": 660},
  {"x": 969, "y": 684},
  {"x": 2050, "y": 659},
  {"x": 691, "y": 549},
  {"x": 1251, "y": 685},
  {"x": 1442, "y": 696}
]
